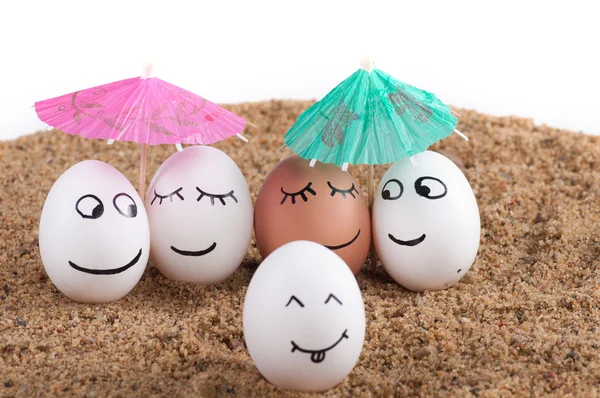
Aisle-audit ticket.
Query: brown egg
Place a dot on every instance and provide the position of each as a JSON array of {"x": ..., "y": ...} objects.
[{"x": 322, "y": 204}]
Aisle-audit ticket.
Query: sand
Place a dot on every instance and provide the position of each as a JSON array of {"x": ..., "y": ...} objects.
[{"x": 522, "y": 322}]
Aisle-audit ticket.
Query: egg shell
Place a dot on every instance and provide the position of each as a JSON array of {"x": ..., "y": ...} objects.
[
  {"x": 426, "y": 224},
  {"x": 201, "y": 216},
  {"x": 304, "y": 318},
  {"x": 319, "y": 212},
  {"x": 92, "y": 246}
]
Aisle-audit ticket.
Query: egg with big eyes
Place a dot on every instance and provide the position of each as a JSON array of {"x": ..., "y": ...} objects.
[
  {"x": 94, "y": 234},
  {"x": 200, "y": 213},
  {"x": 426, "y": 223},
  {"x": 304, "y": 318},
  {"x": 322, "y": 204}
]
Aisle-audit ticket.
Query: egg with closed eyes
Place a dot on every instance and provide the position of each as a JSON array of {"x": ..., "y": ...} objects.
[
  {"x": 304, "y": 318},
  {"x": 94, "y": 234},
  {"x": 426, "y": 223},
  {"x": 322, "y": 204},
  {"x": 200, "y": 213}
]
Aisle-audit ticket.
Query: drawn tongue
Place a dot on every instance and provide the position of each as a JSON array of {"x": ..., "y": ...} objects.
[{"x": 317, "y": 357}]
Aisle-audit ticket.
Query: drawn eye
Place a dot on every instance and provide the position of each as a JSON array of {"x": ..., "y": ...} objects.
[
  {"x": 212, "y": 196},
  {"x": 294, "y": 298},
  {"x": 431, "y": 187},
  {"x": 392, "y": 190},
  {"x": 301, "y": 192},
  {"x": 343, "y": 192},
  {"x": 170, "y": 196},
  {"x": 331, "y": 296},
  {"x": 89, "y": 206},
  {"x": 125, "y": 205}
]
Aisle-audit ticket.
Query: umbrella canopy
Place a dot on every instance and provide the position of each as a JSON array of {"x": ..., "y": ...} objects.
[
  {"x": 370, "y": 118},
  {"x": 144, "y": 110}
]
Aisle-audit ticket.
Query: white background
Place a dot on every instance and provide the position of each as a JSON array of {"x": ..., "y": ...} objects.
[{"x": 534, "y": 59}]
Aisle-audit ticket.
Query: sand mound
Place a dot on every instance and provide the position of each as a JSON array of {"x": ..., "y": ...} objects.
[{"x": 523, "y": 321}]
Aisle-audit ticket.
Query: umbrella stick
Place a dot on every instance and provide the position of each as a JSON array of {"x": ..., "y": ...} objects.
[
  {"x": 142, "y": 184},
  {"x": 373, "y": 258}
]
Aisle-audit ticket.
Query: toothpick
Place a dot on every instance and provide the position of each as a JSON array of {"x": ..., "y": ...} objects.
[
  {"x": 366, "y": 62},
  {"x": 241, "y": 137},
  {"x": 345, "y": 166},
  {"x": 179, "y": 147},
  {"x": 312, "y": 162},
  {"x": 464, "y": 137},
  {"x": 414, "y": 162}
]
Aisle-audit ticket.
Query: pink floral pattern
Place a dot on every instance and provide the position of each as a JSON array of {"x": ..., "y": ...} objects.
[{"x": 149, "y": 111}]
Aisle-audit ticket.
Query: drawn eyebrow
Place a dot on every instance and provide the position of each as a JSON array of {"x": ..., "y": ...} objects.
[
  {"x": 295, "y": 298},
  {"x": 343, "y": 192},
  {"x": 335, "y": 298},
  {"x": 301, "y": 192},
  {"x": 170, "y": 196}
]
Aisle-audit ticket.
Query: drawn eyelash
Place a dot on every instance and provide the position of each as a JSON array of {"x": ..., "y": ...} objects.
[
  {"x": 300, "y": 192},
  {"x": 170, "y": 196},
  {"x": 331, "y": 296},
  {"x": 343, "y": 192},
  {"x": 212, "y": 196},
  {"x": 296, "y": 299}
]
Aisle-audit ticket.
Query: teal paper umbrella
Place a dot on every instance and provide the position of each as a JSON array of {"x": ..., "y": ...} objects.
[{"x": 370, "y": 118}]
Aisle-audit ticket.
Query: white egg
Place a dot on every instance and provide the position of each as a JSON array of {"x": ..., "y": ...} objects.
[
  {"x": 304, "y": 318},
  {"x": 94, "y": 234},
  {"x": 200, "y": 213},
  {"x": 426, "y": 223}
]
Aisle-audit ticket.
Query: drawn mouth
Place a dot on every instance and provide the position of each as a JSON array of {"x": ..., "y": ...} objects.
[
  {"x": 112, "y": 271},
  {"x": 345, "y": 244},
  {"x": 318, "y": 356},
  {"x": 413, "y": 242},
  {"x": 196, "y": 253}
]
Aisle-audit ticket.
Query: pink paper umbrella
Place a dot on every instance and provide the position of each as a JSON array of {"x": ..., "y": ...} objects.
[{"x": 145, "y": 110}]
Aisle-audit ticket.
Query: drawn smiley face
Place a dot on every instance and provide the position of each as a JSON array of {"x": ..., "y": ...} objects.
[
  {"x": 322, "y": 204},
  {"x": 94, "y": 234},
  {"x": 304, "y": 319},
  {"x": 317, "y": 355},
  {"x": 200, "y": 214},
  {"x": 426, "y": 223}
]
